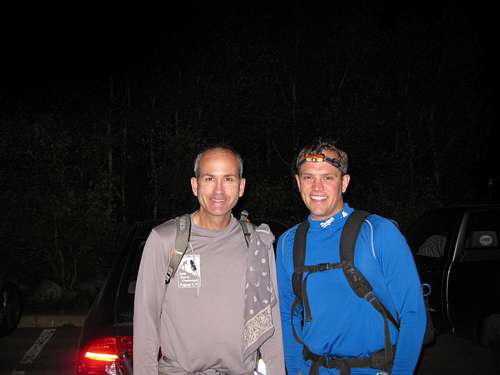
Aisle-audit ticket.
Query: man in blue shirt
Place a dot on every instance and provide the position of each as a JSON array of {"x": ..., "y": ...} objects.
[{"x": 343, "y": 326}]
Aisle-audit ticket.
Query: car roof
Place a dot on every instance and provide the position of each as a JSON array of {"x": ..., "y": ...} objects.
[
  {"x": 466, "y": 206},
  {"x": 472, "y": 205}
]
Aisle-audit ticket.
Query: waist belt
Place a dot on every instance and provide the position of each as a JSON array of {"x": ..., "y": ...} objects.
[{"x": 377, "y": 360}]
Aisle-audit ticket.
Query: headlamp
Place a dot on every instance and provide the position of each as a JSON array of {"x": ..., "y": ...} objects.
[{"x": 318, "y": 158}]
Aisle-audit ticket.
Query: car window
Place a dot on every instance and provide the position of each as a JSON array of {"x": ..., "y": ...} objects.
[
  {"x": 126, "y": 293},
  {"x": 481, "y": 237},
  {"x": 429, "y": 236},
  {"x": 433, "y": 246}
]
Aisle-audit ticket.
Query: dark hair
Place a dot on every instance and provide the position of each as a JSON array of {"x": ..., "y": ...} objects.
[{"x": 320, "y": 145}]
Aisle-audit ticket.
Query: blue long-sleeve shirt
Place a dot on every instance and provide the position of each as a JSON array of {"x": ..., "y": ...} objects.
[{"x": 344, "y": 324}]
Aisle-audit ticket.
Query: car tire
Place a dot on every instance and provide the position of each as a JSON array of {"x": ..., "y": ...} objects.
[{"x": 11, "y": 307}]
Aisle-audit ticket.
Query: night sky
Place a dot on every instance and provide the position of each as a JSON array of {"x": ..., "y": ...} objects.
[
  {"x": 55, "y": 48},
  {"x": 52, "y": 54},
  {"x": 49, "y": 52}
]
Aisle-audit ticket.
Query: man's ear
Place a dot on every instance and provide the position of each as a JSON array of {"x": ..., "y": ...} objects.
[
  {"x": 194, "y": 186},
  {"x": 345, "y": 182},
  {"x": 297, "y": 180},
  {"x": 242, "y": 187}
]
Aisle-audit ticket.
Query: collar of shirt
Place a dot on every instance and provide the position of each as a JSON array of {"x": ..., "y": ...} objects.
[{"x": 332, "y": 222}]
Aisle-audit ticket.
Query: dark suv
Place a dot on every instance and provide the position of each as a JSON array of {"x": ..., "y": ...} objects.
[
  {"x": 457, "y": 253},
  {"x": 105, "y": 345}
]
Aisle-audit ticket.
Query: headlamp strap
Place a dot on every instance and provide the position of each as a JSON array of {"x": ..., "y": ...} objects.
[{"x": 318, "y": 158}]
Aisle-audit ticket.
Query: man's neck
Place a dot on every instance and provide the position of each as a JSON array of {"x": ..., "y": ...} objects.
[{"x": 203, "y": 220}]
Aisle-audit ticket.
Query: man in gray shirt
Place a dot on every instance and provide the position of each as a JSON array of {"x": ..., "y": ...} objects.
[{"x": 219, "y": 312}]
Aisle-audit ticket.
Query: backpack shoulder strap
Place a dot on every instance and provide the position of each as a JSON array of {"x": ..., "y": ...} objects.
[
  {"x": 245, "y": 226},
  {"x": 183, "y": 231},
  {"x": 350, "y": 235},
  {"x": 359, "y": 284},
  {"x": 299, "y": 256}
]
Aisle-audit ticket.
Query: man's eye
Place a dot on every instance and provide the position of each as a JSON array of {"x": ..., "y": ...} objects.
[
  {"x": 229, "y": 179},
  {"x": 306, "y": 178},
  {"x": 209, "y": 179},
  {"x": 328, "y": 178}
]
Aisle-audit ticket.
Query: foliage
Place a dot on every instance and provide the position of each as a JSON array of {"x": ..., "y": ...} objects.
[{"x": 402, "y": 94}]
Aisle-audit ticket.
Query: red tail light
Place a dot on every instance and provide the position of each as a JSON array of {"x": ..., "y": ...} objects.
[{"x": 105, "y": 356}]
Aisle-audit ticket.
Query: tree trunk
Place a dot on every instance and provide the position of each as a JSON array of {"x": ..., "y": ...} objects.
[{"x": 154, "y": 173}]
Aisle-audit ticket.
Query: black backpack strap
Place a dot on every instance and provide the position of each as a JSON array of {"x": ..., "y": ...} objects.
[
  {"x": 376, "y": 360},
  {"x": 356, "y": 279},
  {"x": 350, "y": 234},
  {"x": 359, "y": 284},
  {"x": 299, "y": 257},
  {"x": 310, "y": 270},
  {"x": 183, "y": 231},
  {"x": 299, "y": 282}
]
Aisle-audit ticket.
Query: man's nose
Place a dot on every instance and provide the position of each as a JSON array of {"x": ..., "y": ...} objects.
[
  {"x": 317, "y": 184},
  {"x": 218, "y": 184}
]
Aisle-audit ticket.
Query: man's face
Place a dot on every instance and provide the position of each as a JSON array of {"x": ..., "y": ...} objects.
[
  {"x": 321, "y": 186},
  {"x": 218, "y": 185}
]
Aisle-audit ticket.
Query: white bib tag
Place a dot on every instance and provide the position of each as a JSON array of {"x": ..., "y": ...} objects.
[{"x": 189, "y": 272}]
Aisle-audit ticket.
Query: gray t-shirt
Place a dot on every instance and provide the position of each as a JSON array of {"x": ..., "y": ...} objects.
[{"x": 198, "y": 320}]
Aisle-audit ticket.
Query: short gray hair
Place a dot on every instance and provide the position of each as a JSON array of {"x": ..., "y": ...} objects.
[{"x": 218, "y": 147}]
